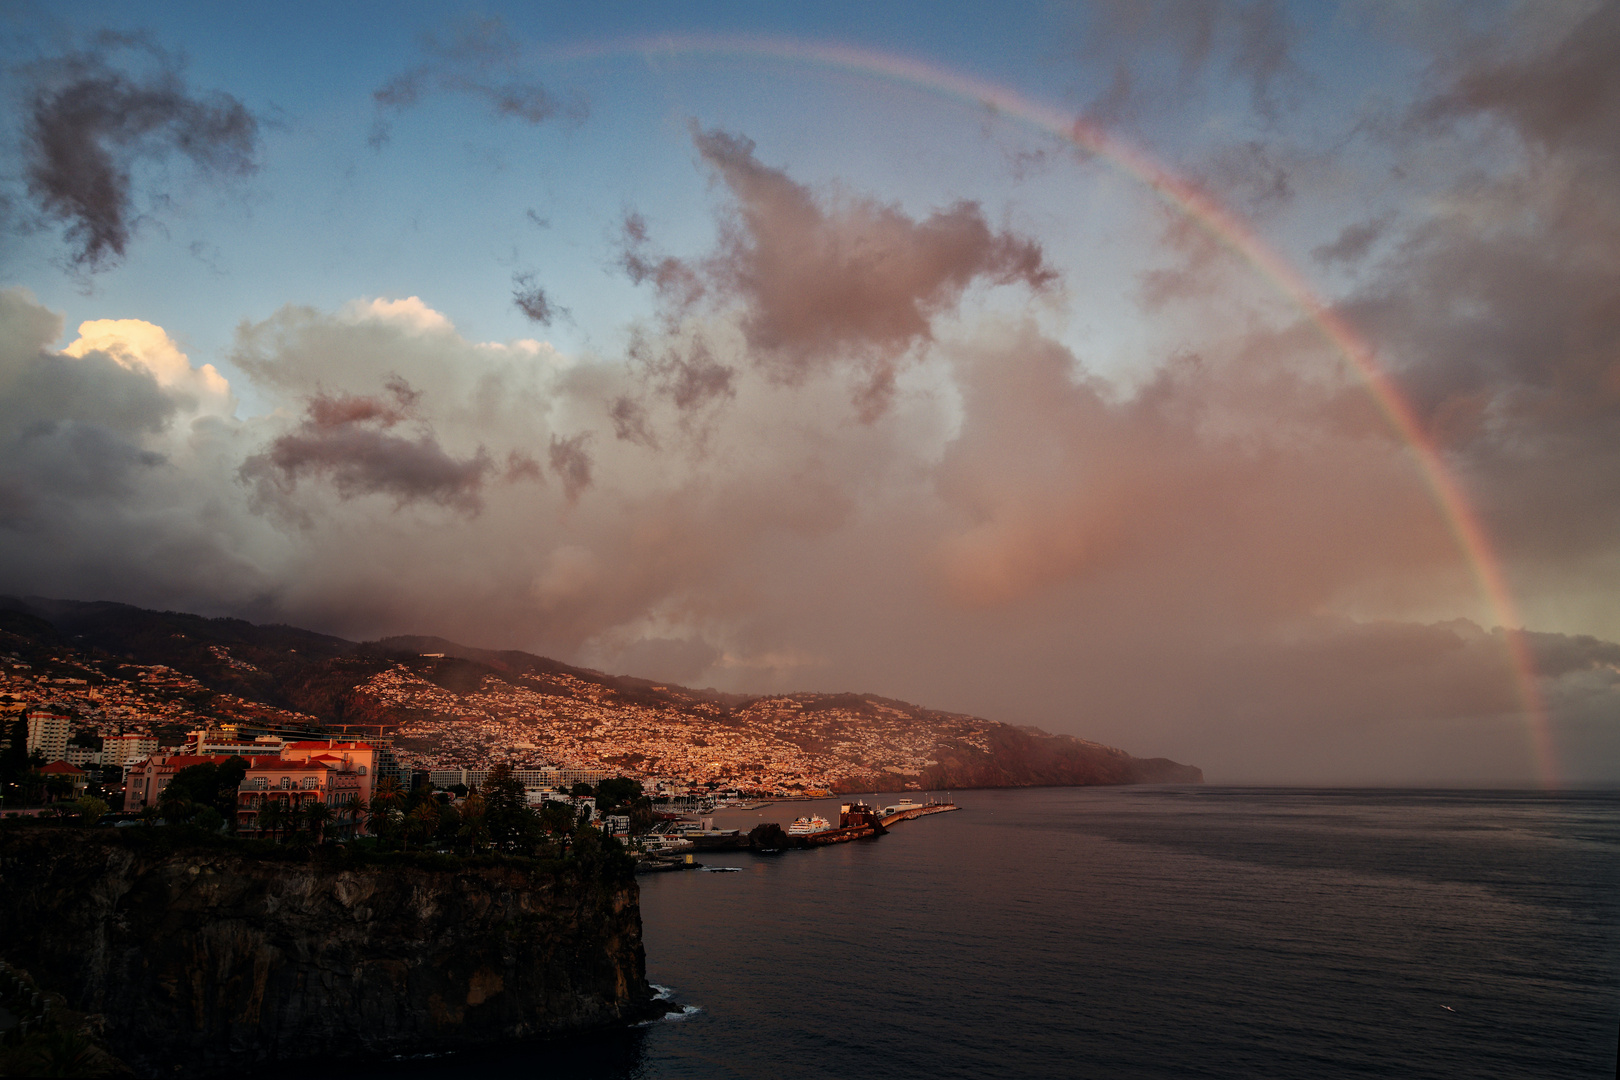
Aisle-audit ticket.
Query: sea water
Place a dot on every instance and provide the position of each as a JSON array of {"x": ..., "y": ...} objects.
[{"x": 1141, "y": 932}]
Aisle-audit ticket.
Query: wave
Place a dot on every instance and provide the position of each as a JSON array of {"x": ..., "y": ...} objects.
[{"x": 685, "y": 1012}]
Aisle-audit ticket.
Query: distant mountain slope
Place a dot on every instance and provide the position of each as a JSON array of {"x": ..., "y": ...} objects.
[{"x": 448, "y": 703}]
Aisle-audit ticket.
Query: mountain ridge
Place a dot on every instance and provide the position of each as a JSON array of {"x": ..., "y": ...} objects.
[{"x": 449, "y": 704}]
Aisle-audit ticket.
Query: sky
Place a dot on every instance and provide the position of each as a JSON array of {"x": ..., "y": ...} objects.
[{"x": 1234, "y": 381}]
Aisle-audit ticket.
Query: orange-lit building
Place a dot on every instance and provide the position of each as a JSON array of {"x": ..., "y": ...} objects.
[
  {"x": 295, "y": 783},
  {"x": 359, "y": 758}
]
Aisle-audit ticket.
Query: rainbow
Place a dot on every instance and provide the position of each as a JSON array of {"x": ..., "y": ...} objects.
[{"x": 1227, "y": 229}]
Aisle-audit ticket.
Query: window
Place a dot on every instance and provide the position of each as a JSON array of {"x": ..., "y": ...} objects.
[
  {"x": 362, "y": 770},
  {"x": 312, "y": 782},
  {"x": 286, "y": 782}
]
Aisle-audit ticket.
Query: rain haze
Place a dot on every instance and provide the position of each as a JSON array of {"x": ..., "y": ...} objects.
[{"x": 1234, "y": 382}]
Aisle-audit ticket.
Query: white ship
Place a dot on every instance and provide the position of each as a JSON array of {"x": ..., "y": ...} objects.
[{"x": 808, "y": 826}]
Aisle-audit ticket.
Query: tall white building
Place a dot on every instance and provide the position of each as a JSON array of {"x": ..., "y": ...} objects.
[
  {"x": 48, "y": 733},
  {"x": 126, "y": 750}
]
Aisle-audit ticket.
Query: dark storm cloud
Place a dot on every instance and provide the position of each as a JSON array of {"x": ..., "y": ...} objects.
[
  {"x": 1563, "y": 98},
  {"x": 572, "y": 464},
  {"x": 71, "y": 428},
  {"x": 1502, "y": 307},
  {"x": 348, "y": 441},
  {"x": 479, "y": 58},
  {"x": 91, "y": 120}
]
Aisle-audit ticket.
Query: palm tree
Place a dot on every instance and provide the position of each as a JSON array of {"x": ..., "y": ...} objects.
[
  {"x": 474, "y": 829},
  {"x": 272, "y": 815},
  {"x": 424, "y": 820},
  {"x": 350, "y": 814},
  {"x": 388, "y": 793},
  {"x": 317, "y": 815},
  {"x": 385, "y": 803}
]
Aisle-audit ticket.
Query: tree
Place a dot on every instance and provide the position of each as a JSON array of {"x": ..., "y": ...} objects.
[
  {"x": 616, "y": 791},
  {"x": 193, "y": 786},
  {"x": 227, "y": 785},
  {"x": 559, "y": 819},
  {"x": 512, "y": 825},
  {"x": 582, "y": 791},
  {"x": 272, "y": 816},
  {"x": 90, "y": 809},
  {"x": 473, "y": 832},
  {"x": 641, "y": 816},
  {"x": 208, "y": 819},
  {"x": 385, "y": 809},
  {"x": 317, "y": 815},
  {"x": 14, "y": 755},
  {"x": 58, "y": 786},
  {"x": 423, "y": 822}
]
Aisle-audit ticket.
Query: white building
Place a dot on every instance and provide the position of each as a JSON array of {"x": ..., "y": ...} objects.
[
  {"x": 207, "y": 742},
  {"x": 48, "y": 733},
  {"x": 125, "y": 750}
]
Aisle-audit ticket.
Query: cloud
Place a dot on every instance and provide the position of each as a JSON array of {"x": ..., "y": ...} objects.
[
  {"x": 1499, "y": 305},
  {"x": 1159, "y": 51},
  {"x": 140, "y": 345},
  {"x": 572, "y": 463},
  {"x": 824, "y": 283},
  {"x": 532, "y": 300},
  {"x": 680, "y": 368},
  {"x": 1562, "y": 98},
  {"x": 1352, "y": 243},
  {"x": 110, "y": 452},
  {"x": 347, "y": 441},
  {"x": 479, "y": 58},
  {"x": 91, "y": 118}
]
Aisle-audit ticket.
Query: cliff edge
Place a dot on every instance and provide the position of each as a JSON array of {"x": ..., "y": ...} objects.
[{"x": 202, "y": 956}]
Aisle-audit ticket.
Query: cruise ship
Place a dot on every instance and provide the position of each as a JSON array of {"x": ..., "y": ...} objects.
[{"x": 808, "y": 826}]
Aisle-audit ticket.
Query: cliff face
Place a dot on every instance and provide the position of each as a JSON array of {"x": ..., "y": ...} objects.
[{"x": 207, "y": 959}]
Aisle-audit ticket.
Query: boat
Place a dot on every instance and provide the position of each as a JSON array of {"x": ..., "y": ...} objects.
[
  {"x": 808, "y": 826},
  {"x": 722, "y": 869}
]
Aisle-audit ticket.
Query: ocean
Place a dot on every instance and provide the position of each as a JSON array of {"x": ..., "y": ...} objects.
[{"x": 1141, "y": 932}]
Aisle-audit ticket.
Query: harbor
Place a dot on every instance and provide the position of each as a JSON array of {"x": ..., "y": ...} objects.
[{"x": 676, "y": 842}]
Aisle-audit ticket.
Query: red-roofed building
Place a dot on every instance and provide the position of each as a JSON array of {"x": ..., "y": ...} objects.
[
  {"x": 72, "y": 773},
  {"x": 294, "y": 783},
  {"x": 359, "y": 758}
]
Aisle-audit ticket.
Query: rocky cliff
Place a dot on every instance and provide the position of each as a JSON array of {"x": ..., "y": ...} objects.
[{"x": 203, "y": 957}]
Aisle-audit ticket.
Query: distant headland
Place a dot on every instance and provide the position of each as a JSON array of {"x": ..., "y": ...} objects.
[{"x": 437, "y": 710}]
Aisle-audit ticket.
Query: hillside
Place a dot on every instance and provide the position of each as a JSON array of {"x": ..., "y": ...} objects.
[{"x": 113, "y": 666}]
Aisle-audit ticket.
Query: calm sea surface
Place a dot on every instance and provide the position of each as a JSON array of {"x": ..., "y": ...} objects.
[{"x": 1143, "y": 932}]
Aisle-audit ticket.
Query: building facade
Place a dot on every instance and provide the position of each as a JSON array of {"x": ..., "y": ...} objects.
[
  {"x": 48, "y": 735},
  {"x": 124, "y": 751},
  {"x": 291, "y": 785}
]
